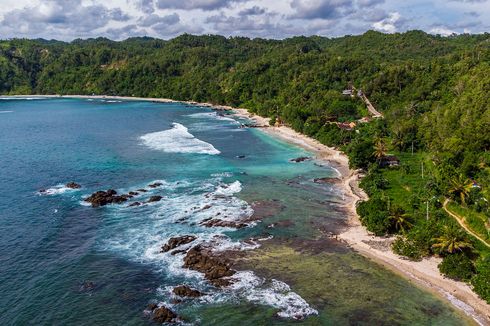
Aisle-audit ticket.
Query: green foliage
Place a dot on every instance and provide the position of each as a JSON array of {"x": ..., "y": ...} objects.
[
  {"x": 375, "y": 216},
  {"x": 407, "y": 248},
  {"x": 481, "y": 281},
  {"x": 433, "y": 91},
  {"x": 457, "y": 266}
]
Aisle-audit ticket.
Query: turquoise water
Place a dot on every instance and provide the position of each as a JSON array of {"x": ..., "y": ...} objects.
[{"x": 63, "y": 262}]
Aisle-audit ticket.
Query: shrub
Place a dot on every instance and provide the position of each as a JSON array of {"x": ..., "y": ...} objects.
[
  {"x": 374, "y": 215},
  {"x": 407, "y": 248},
  {"x": 457, "y": 266},
  {"x": 481, "y": 281}
]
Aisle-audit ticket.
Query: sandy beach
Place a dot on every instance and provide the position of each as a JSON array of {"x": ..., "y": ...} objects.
[{"x": 424, "y": 274}]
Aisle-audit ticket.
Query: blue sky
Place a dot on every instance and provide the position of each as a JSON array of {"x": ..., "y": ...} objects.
[{"x": 120, "y": 19}]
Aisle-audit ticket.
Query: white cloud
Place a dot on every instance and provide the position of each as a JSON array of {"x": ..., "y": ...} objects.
[
  {"x": 69, "y": 19},
  {"x": 389, "y": 24},
  {"x": 442, "y": 31}
]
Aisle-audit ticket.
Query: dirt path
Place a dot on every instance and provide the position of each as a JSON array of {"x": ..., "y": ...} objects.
[{"x": 461, "y": 222}]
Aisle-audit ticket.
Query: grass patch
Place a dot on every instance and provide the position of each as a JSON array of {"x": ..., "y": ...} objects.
[
  {"x": 406, "y": 182},
  {"x": 474, "y": 220}
]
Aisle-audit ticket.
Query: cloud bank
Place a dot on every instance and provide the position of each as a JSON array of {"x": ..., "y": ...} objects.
[{"x": 120, "y": 19}]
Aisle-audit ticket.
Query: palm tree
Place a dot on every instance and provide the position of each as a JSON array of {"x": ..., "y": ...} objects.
[
  {"x": 380, "y": 150},
  {"x": 451, "y": 241},
  {"x": 400, "y": 219},
  {"x": 460, "y": 188},
  {"x": 398, "y": 140}
]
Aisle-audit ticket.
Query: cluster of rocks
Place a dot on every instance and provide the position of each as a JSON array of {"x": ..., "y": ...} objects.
[
  {"x": 300, "y": 159},
  {"x": 73, "y": 185},
  {"x": 216, "y": 269},
  {"x": 177, "y": 242},
  {"x": 162, "y": 314},
  {"x": 327, "y": 180},
  {"x": 186, "y": 292},
  {"x": 102, "y": 198},
  {"x": 216, "y": 222}
]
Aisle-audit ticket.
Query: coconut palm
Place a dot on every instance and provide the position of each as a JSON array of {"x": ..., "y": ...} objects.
[
  {"x": 380, "y": 150},
  {"x": 459, "y": 188},
  {"x": 400, "y": 219},
  {"x": 452, "y": 240}
]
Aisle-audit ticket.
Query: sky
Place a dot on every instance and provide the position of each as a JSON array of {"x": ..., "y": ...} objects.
[{"x": 119, "y": 19}]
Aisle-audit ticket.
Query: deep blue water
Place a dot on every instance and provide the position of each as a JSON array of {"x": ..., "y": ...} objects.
[{"x": 52, "y": 245}]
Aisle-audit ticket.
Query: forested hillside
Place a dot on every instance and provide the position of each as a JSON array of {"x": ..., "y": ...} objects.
[{"x": 434, "y": 93}]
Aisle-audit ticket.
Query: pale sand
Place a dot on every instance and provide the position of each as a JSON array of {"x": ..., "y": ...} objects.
[{"x": 424, "y": 273}]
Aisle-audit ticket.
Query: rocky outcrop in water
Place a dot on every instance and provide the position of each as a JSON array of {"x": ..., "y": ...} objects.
[
  {"x": 162, "y": 314},
  {"x": 177, "y": 242},
  {"x": 186, "y": 291},
  {"x": 216, "y": 269},
  {"x": 155, "y": 185},
  {"x": 136, "y": 203},
  {"x": 154, "y": 199},
  {"x": 216, "y": 222},
  {"x": 73, "y": 185},
  {"x": 102, "y": 198},
  {"x": 327, "y": 180},
  {"x": 300, "y": 159}
]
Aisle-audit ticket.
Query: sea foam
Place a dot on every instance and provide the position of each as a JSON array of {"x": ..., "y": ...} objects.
[
  {"x": 177, "y": 140},
  {"x": 185, "y": 204},
  {"x": 211, "y": 115},
  {"x": 57, "y": 190}
]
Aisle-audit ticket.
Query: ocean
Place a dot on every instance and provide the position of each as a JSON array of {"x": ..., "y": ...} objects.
[{"x": 63, "y": 262}]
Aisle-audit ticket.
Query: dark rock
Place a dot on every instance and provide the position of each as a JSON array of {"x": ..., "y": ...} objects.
[
  {"x": 136, "y": 203},
  {"x": 87, "y": 286},
  {"x": 177, "y": 242},
  {"x": 216, "y": 222},
  {"x": 133, "y": 193},
  {"x": 163, "y": 315},
  {"x": 102, "y": 198},
  {"x": 327, "y": 180},
  {"x": 300, "y": 159},
  {"x": 185, "y": 291},
  {"x": 154, "y": 199},
  {"x": 142, "y": 190},
  {"x": 214, "y": 268},
  {"x": 206, "y": 207},
  {"x": 178, "y": 252},
  {"x": 240, "y": 156},
  {"x": 155, "y": 185},
  {"x": 73, "y": 185},
  {"x": 152, "y": 306},
  {"x": 176, "y": 301}
]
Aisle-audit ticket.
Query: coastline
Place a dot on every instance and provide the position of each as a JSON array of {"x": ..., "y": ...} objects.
[{"x": 424, "y": 274}]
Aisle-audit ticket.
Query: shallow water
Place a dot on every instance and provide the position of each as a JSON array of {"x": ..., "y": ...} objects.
[{"x": 63, "y": 262}]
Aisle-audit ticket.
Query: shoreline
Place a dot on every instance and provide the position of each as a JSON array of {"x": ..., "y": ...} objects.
[{"x": 424, "y": 274}]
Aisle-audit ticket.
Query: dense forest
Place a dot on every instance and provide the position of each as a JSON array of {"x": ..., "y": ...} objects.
[{"x": 433, "y": 91}]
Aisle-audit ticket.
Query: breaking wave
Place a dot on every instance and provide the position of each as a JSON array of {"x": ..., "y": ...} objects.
[{"x": 177, "y": 140}]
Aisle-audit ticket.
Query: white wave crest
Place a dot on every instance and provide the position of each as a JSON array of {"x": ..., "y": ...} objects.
[
  {"x": 56, "y": 190},
  {"x": 6, "y": 111},
  {"x": 272, "y": 293},
  {"x": 229, "y": 190},
  {"x": 22, "y": 98},
  {"x": 177, "y": 140},
  {"x": 211, "y": 115}
]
